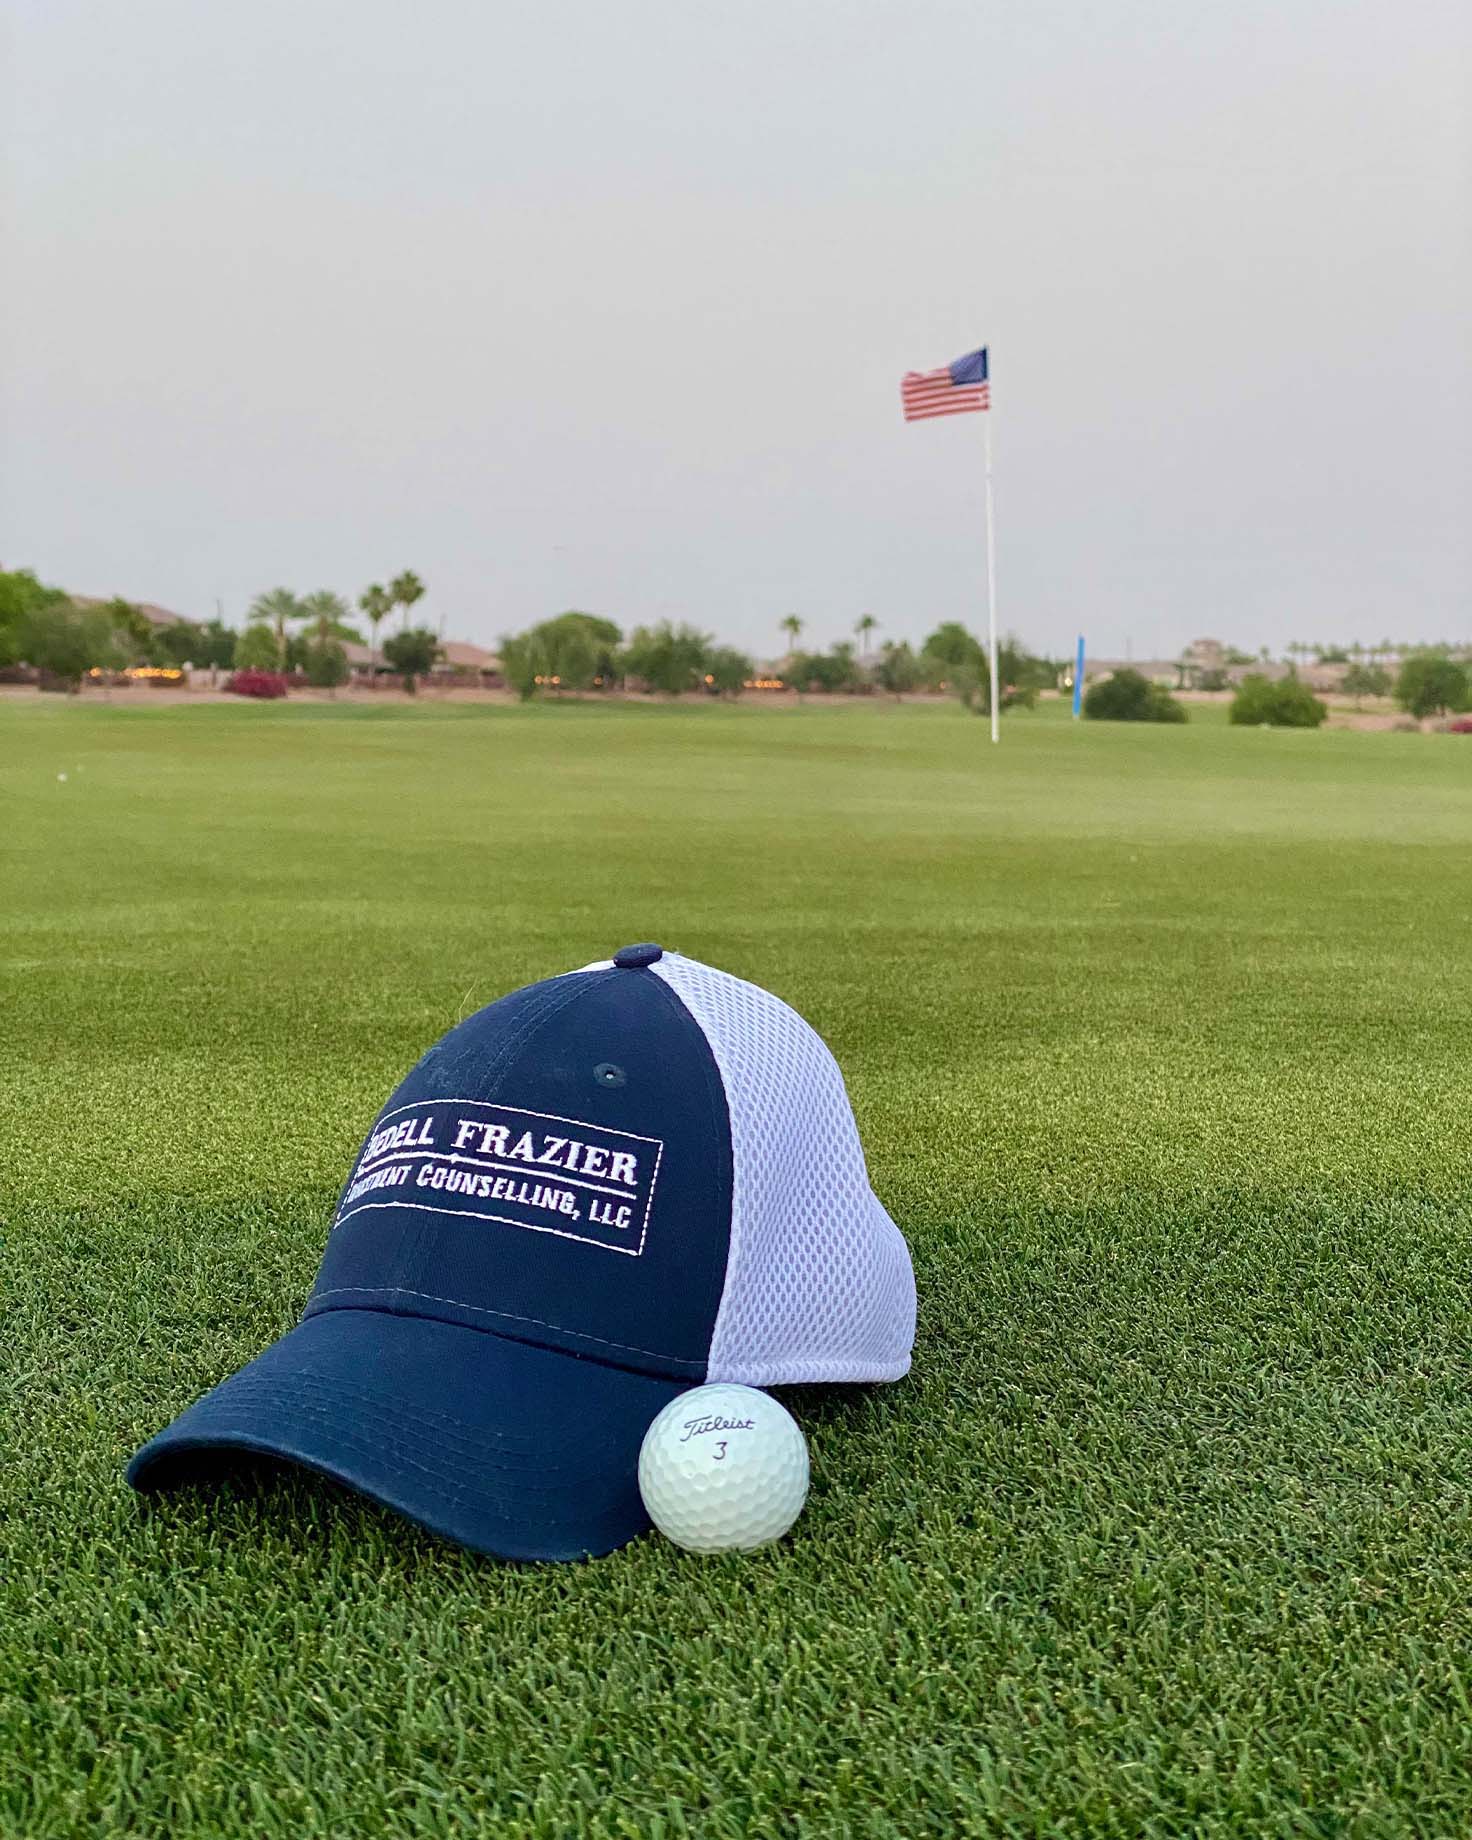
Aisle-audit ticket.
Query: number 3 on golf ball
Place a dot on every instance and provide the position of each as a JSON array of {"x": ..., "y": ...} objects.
[{"x": 723, "y": 1469}]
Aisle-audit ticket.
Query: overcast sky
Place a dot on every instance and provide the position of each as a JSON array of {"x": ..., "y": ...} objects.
[{"x": 570, "y": 304}]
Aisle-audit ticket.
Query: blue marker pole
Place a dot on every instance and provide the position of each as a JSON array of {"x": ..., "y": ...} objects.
[{"x": 1078, "y": 679}]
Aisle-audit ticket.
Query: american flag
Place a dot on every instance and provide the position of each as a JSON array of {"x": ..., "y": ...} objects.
[{"x": 955, "y": 389}]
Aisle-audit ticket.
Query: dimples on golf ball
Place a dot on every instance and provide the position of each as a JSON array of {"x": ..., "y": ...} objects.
[{"x": 723, "y": 1469}]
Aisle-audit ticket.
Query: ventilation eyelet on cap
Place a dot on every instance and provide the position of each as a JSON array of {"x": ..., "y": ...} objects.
[
  {"x": 635, "y": 958},
  {"x": 607, "y": 1073}
]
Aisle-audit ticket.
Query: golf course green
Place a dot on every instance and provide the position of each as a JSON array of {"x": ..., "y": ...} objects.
[{"x": 1158, "y": 1040}]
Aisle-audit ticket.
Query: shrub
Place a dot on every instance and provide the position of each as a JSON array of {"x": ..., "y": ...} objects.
[
  {"x": 953, "y": 659},
  {"x": 256, "y": 650},
  {"x": 1253, "y": 702},
  {"x": 951, "y": 652},
  {"x": 1288, "y": 703},
  {"x": 727, "y": 671},
  {"x": 21, "y": 598},
  {"x": 1430, "y": 684},
  {"x": 1024, "y": 674},
  {"x": 64, "y": 642},
  {"x": 574, "y": 651},
  {"x": 830, "y": 673},
  {"x": 1126, "y": 696},
  {"x": 327, "y": 665},
  {"x": 898, "y": 669},
  {"x": 1461, "y": 726},
  {"x": 1365, "y": 680},
  {"x": 412, "y": 654},
  {"x": 265, "y": 684},
  {"x": 666, "y": 658},
  {"x": 132, "y": 632},
  {"x": 213, "y": 644}
]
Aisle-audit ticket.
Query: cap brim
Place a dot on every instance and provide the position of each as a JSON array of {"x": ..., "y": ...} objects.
[{"x": 508, "y": 1449}]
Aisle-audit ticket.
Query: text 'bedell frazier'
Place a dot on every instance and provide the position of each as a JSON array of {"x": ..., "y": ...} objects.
[{"x": 494, "y": 1140}]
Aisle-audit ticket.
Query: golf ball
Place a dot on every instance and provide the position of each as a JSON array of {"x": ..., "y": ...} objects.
[{"x": 723, "y": 1469}]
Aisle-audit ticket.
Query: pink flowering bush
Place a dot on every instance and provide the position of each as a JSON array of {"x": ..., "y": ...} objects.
[{"x": 256, "y": 683}]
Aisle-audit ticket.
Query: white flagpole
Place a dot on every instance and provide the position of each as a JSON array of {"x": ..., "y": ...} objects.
[{"x": 991, "y": 585}]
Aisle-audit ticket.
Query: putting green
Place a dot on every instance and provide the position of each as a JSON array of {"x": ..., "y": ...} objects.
[{"x": 1158, "y": 1043}]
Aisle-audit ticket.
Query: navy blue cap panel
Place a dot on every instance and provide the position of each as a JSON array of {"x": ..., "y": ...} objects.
[
  {"x": 508, "y": 1449},
  {"x": 557, "y": 1169}
]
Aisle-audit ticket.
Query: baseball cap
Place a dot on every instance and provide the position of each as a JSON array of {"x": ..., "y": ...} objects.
[{"x": 599, "y": 1191}]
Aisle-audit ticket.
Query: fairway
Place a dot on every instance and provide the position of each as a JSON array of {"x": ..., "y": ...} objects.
[{"x": 1158, "y": 1043}]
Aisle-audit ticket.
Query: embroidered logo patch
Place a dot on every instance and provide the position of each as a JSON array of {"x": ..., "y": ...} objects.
[{"x": 522, "y": 1169}]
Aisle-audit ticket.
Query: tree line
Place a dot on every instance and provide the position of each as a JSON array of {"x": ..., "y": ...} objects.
[
  {"x": 1428, "y": 683},
  {"x": 583, "y": 653},
  {"x": 1367, "y": 674},
  {"x": 285, "y": 631},
  {"x": 66, "y": 638},
  {"x": 288, "y": 633}
]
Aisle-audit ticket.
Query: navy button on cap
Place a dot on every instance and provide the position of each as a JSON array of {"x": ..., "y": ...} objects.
[{"x": 635, "y": 958}]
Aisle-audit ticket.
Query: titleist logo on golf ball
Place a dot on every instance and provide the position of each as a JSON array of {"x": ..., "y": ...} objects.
[
  {"x": 697, "y": 1427},
  {"x": 516, "y": 1168}
]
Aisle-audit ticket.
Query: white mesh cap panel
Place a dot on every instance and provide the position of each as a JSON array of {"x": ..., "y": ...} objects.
[{"x": 818, "y": 1281}]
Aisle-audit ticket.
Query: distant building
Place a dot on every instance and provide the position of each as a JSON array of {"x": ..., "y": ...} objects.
[
  {"x": 155, "y": 615},
  {"x": 1326, "y": 677},
  {"x": 161, "y": 616},
  {"x": 459, "y": 662},
  {"x": 458, "y": 658},
  {"x": 1204, "y": 655},
  {"x": 1202, "y": 658},
  {"x": 1156, "y": 670}
]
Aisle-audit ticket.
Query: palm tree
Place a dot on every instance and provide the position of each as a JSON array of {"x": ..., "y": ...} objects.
[
  {"x": 792, "y": 626},
  {"x": 377, "y": 604},
  {"x": 275, "y": 608},
  {"x": 863, "y": 626},
  {"x": 327, "y": 616},
  {"x": 404, "y": 590}
]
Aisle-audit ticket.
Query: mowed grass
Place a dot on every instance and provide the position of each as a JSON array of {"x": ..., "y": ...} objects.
[{"x": 1159, "y": 1044}]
